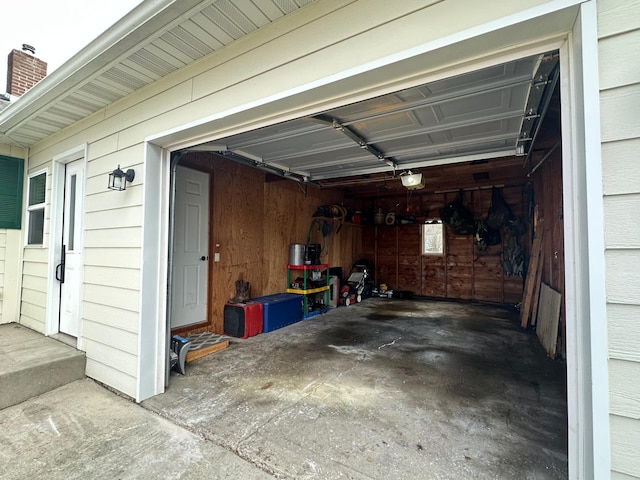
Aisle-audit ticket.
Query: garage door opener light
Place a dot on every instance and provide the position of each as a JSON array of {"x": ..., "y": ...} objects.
[{"x": 412, "y": 181}]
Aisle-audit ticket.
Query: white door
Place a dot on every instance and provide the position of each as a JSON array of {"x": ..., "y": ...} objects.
[
  {"x": 190, "y": 248},
  {"x": 70, "y": 269}
]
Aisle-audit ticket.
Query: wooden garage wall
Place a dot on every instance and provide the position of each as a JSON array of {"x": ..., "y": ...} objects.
[
  {"x": 547, "y": 203},
  {"x": 463, "y": 272},
  {"x": 254, "y": 218},
  {"x": 618, "y": 52}
]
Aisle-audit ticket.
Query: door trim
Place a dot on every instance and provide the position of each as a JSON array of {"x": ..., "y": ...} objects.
[
  {"x": 55, "y": 236},
  {"x": 153, "y": 329}
]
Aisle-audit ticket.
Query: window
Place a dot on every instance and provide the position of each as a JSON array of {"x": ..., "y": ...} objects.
[
  {"x": 433, "y": 238},
  {"x": 11, "y": 180},
  {"x": 35, "y": 208}
]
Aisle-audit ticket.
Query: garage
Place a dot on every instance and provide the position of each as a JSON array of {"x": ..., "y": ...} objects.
[
  {"x": 441, "y": 358},
  {"x": 488, "y": 137},
  {"x": 485, "y": 144},
  {"x": 368, "y": 139}
]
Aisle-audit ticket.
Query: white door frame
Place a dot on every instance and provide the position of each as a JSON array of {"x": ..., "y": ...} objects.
[
  {"x": 568, "y": 25},
  {"x": 55, "y": 235}
]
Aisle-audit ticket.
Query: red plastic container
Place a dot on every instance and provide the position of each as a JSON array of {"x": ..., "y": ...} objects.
[{"x": 243, "y": 320}]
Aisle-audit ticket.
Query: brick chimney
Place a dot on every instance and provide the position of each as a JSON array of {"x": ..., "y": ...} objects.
[{"x": 24, "y": 71}]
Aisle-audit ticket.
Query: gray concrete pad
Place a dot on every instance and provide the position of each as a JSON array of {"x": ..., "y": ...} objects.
[
  {"x": 83, "y": 431},
  {"x": 32, "y": 364},
  {"x": 383, "y": 389}
]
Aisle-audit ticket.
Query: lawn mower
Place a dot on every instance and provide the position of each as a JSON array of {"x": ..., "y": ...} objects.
[{"x": 359, "y": 284}]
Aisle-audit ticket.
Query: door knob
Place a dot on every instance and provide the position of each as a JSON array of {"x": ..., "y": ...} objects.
[{"x": 203, "y": 258}]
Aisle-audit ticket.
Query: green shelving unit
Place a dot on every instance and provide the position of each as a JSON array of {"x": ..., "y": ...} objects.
[{"x": 311, "y": 275}]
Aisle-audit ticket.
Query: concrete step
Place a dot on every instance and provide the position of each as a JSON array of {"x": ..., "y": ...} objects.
[{"x": 32, "y": 364}]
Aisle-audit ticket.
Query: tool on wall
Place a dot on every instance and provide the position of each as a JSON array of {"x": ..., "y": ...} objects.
[
  {"x": 324, "y": 228},
  {"x": 338, "y": 213}
]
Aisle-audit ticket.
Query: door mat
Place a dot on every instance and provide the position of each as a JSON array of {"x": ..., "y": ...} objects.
[{"x": 205, "y": 343}]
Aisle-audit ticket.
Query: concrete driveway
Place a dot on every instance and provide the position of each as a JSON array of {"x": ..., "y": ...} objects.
[
  {"x": 83, "y": 431},
  {"x": 379, "y": 390}
]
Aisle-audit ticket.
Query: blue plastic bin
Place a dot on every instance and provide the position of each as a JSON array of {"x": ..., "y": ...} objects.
[{"x": 279, "y": 310}]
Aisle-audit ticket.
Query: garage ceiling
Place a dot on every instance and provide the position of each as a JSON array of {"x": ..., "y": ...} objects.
[{"x": 488, "y": 113}]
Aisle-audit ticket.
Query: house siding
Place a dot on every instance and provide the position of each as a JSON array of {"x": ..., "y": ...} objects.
[
  {"x": 326, "y": 36},
  {"x": 253, "y": 68},
  {"x": 3, "y": 252},
  {"x": 8, "y": 250},
  {"x": 618, "y": 51}
]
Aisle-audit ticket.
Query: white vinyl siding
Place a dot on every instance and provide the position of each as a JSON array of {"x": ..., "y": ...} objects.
[
  {"x": 330, "y": 38},
  {"x": 34, "y": 277},
  {"x": 619, "y": 50},
  {"x": 3, "y": 252},
  {"x": 4, "y": 150},
  {"x": 35, "y": 266}
]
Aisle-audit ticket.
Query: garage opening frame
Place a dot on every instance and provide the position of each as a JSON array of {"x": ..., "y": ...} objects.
[{"x": 571, "y": 27}]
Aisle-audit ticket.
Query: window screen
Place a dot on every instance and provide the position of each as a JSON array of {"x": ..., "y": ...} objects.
[{"x": 37, "y": 189}]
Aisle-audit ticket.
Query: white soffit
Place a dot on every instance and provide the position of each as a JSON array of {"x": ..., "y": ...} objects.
[{"x": 144, "y": 46}]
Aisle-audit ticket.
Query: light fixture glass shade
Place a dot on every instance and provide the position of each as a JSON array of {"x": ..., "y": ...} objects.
[
  {"x": 118, "y": 179},
  {"x": 412, "y": 181}
]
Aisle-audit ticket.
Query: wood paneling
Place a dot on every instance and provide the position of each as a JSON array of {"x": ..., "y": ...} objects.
[
  {"x": 409, "y": 273},
  {"x": 547, "y": 198},
  {"x": 386, "y": 267},
  {"x": 254, "y": 219},
  {"x": 434, "y": 276},
  {"x": 409, "y": 237},
  {"x": 465, "y": 271},
  {"x": 236, "y": 233}
]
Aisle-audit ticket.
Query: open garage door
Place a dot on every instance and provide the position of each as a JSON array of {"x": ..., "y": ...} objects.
[{"x": 494, "y": 112}]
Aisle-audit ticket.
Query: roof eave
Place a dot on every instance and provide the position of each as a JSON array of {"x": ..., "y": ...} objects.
[{"x": 144, "y": 21}]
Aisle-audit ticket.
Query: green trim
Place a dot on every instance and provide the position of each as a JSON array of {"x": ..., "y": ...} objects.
[{"x": 11, "y": 181}]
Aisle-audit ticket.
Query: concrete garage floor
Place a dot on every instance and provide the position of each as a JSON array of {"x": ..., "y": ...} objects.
[{"x": 383, "y": 389}]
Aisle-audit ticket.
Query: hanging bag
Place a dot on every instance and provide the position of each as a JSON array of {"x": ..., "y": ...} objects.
[
  {"x": 456, "y": 216},
  {"x": 499, "y": 211}
]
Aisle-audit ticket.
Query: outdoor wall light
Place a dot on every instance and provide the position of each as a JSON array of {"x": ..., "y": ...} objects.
[
  {"x": 118, "y": 179},
  {"x": 412, "y": 181}
]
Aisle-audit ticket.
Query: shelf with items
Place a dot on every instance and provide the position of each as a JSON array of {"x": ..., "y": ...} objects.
[
  {"x": 312, "y": 282},
  {"x": 307, "y": 291}
]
